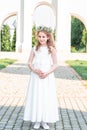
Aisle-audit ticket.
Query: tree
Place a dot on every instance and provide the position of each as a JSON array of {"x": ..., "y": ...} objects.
[
  {"x": 34, "y": 40},
  {"x": 84, "y": 39},
  {"x": 76, "y": 32},
  {"x": 5, "y": 38},
  {"x": 13, "y": 41}
]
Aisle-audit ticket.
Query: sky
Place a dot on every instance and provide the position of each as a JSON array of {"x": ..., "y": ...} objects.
[
  {"x": 11, "y": 22},
  {"x": 7, "y": 8},
  {"x": 44, "y": 15}
]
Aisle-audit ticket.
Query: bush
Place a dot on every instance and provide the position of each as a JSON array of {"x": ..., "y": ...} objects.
[
  {"x": 13, "y": 41},
  {"x": 5, "y": 38},
  {"x": 77, "y": 35}
]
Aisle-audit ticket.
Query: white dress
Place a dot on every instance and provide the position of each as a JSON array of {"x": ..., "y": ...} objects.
[{"x": 41, "y": 99}]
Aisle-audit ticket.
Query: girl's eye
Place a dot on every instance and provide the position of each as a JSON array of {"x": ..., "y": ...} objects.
[{"x": 41, "y": 36}]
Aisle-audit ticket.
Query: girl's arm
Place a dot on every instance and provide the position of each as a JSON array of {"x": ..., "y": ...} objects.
[
  {"x": 54, "y": 59},
  {"x": 30, "y": 60}
]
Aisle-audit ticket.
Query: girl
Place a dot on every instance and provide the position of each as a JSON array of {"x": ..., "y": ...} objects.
[{"x": 41, "y": 102}]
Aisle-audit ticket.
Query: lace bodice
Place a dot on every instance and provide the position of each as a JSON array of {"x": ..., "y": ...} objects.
[{"x": 42, "y": 59}]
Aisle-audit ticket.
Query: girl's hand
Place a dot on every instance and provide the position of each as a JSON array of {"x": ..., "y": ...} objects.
[
  {"x": 38, "y": 72},
  {"x": 44, "y": 75}
]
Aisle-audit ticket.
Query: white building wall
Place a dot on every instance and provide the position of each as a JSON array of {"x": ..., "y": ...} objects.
[
  {"x": 27, "y": 43},
  {"x": 64, "y": 10},
  {"x": 20, "y": 26},
  {"x": 6, "y": 9},
  {"x": 63, "y": 26},
  {"x": 79, "y": 7},
  {"x": 28, "y": 23}
]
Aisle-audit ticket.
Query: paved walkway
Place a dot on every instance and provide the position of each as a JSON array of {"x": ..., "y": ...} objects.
[{"x": 72, "y": 96}]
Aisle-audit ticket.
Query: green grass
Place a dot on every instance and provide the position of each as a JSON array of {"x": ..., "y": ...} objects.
[
  {"x": 79, "y": 50},
  {"x": 80, "y": 66},
  {"x": 5, "y": 62}
]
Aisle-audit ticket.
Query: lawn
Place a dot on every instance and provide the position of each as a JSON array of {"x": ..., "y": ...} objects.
[
  {"x": 80, "y": 66},
  {"x": 5, "y": 62}
]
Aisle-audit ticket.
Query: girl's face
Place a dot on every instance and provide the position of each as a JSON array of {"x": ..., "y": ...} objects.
[{"x": 42, "y": 38}]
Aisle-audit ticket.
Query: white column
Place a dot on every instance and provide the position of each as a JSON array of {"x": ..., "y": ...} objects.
[
  {"x": 27, "y": 44},
  {"x": 63, "y": 26},
  {"x": 22, "y": 22},
  {"x": 18, "y": 28}
]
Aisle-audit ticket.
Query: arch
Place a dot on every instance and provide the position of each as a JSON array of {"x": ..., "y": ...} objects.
[
  {"x": 50, "y": 8},
  {"x": 45, "y": 3},
  {"x": 8, "y": 16},
  {"x": 80, "y": 18}
]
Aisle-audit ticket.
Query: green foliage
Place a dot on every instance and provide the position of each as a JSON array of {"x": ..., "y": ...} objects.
[
  {"x": 80, "y": 50},
  {"x": 73, "y": 49},
  {"x": 54, "y": 34},
  {"x": 80, "y": 66},
  {"x": 34, "y": 39},
  {"x": 5, "y": 38},
  {"x": 5, "y": 62},
  {"x": 84, "y": 39},
  {"x": 41, "y": 28},
  {"x": 77, "y": 28},
  {"x": 13, "y": 41},
  {"x": 6, "y": 43}
]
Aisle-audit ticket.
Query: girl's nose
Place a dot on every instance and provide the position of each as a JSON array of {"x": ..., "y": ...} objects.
[{"x": 41, "y": 38}]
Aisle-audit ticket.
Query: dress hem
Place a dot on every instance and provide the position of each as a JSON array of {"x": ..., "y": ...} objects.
[{"x": 41, "y": 121}]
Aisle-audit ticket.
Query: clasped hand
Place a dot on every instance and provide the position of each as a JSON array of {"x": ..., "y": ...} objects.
[{"x": 41, "y": 74}]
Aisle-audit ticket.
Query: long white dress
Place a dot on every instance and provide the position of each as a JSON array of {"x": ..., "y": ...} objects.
[{"x": 41, "y": 99}]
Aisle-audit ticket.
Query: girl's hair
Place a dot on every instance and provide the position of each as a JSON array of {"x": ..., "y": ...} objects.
[{"x": 50, "y": 41}]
